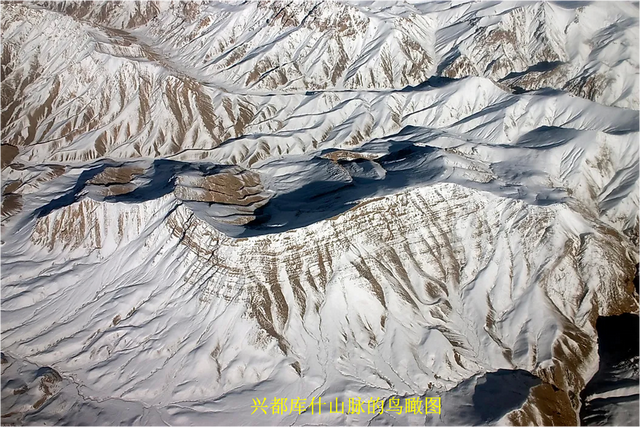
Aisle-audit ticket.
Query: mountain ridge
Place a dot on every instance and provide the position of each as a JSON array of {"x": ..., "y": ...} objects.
[{"x": 209, "y": 203}]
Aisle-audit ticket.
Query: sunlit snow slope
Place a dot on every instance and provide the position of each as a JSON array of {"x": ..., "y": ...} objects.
[{"x": 209, "y": 203}]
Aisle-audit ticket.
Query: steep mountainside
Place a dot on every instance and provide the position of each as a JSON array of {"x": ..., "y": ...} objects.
[{"x": 208, "y": 203}]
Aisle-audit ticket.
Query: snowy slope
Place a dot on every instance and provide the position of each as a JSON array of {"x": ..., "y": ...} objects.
[{"x": 209, "y": 203}]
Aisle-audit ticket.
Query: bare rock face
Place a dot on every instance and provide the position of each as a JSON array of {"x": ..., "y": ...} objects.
[
  {"x": 205, "y": 204},
  {"x": 27, "y": 388}
]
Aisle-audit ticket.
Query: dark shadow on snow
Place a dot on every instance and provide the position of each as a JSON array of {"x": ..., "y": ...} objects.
[
  {"x": 328, "y": 188},
  {"x": 500, "y": 392},
  {"x": 485, "y": 399},
  {"x": 618, "y": 348}
]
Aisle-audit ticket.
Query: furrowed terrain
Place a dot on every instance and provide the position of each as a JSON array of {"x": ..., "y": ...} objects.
[{"x": 205, "y": 204}]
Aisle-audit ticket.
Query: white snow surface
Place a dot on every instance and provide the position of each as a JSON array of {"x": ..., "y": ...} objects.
[{"x": 336, "y": 200}]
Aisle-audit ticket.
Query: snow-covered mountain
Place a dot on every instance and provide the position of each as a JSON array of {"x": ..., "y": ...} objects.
[{"x": 208, "y": 203}]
